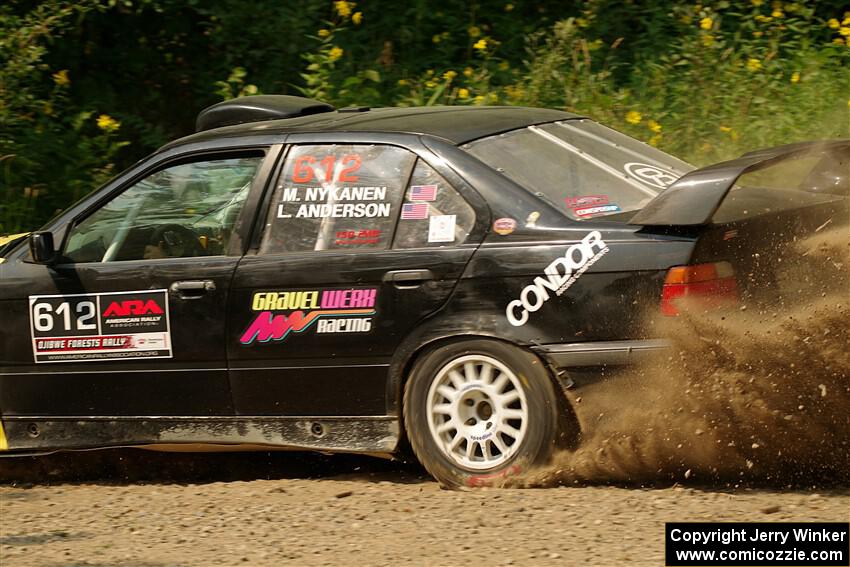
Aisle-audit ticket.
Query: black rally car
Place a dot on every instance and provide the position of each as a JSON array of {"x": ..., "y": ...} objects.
[{"x": 298, "y": 276}]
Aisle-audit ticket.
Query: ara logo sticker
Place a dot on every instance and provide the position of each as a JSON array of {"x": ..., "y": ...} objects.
[
  {"x": 651, "y": 175},
  {"x": 560, "y": 275},
  {"x": 132, "y": 307},
  {"x": 333, "y": 311}
]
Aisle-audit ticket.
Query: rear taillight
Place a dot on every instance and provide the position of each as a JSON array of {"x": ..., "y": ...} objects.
[{"x": 705, "y": 286}]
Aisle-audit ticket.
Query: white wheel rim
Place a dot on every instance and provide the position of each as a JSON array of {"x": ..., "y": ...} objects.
[{"x": 477, "y": 412}]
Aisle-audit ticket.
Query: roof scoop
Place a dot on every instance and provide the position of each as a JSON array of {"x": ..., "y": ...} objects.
[{"x": 258, "y": 108}]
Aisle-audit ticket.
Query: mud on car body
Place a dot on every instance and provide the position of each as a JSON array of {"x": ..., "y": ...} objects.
[{"x": 298, "y": 276}]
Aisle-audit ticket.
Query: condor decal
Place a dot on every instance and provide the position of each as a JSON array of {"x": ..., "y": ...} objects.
[
  {"x": 560, "y": 274},
  {"x": 333, "y": 310},
  {"x": 100, "y": 326}
]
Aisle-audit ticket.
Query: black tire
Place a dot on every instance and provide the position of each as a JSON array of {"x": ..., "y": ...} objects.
[{"x": 537, "y": 401}]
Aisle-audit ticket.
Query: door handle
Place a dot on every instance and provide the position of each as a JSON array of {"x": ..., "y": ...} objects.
[
  {"x": 408, "y": 278},
  {"x": 192, "y": 289}
]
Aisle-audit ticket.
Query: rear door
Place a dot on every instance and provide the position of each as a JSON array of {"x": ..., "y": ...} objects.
[{"x": 360, "y": 242}]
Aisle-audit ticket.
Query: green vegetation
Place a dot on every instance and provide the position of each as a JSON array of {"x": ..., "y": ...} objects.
[{"x": 89, "y": 86}]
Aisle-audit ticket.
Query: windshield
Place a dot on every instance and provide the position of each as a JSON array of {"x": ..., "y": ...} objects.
[{"x": 585, "y": 169}]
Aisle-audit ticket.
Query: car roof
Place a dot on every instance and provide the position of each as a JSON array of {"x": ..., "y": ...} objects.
[{"x": 456, "y": 124}]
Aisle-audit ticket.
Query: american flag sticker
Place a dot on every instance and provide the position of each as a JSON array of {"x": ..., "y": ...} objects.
[
  {"x": 423, "y": 192},
  {"x": 414, "y": 211}
]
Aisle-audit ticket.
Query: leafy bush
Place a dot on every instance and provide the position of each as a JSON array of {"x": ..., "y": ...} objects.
[{"x": 704, "y": 81}]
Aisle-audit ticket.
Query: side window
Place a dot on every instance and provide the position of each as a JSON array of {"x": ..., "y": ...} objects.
[
  {"x": 182, "y": 211},
  {"x": 433, "y": 213},
  {"x": 337, "y": 197}
]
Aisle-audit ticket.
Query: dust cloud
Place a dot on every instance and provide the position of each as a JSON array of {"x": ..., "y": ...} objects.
[{"x": 760, "y": 395}]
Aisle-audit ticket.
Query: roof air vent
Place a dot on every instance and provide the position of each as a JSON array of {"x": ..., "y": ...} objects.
[{"x": 257, "y": 109}]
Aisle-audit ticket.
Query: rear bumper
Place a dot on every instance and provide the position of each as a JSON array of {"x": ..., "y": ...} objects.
[{"x": 605, "y": 353}]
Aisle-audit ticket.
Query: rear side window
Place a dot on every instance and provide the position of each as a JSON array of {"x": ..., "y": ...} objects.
[
  {"x": 337, "y": 197},
  {"x": 583, "y": 168},
  {"x": 433, "y": 213}
]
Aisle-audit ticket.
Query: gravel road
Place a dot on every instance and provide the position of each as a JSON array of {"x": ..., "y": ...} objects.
[{"x": 139, "y": 509}]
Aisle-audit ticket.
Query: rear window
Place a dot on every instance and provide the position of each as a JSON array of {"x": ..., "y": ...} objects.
[{"x": 583, "y": 168}]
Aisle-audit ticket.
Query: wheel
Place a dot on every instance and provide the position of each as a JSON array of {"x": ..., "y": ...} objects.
[{"x": 476, "y": 411}]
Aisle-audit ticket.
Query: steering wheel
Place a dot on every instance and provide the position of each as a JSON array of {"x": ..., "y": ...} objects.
[{"x": 176, "y": 241}]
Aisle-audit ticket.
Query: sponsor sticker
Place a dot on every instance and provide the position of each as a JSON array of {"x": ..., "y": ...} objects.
[
  {"x": 504, "y": 226},
  {"x": 558, "y": 277},
  {"x": 597, "y": 210},
  {"x": 585, "y": 201},
  {"x": 651, "y": 175},
  {"x": 100, "y": 326},
  {"x": 280, "y": 313},
  {"x": 357, "y": 237},
  {"x": 441, "y": 228}
]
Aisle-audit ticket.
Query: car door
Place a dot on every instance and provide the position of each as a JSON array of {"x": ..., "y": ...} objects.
[
  {"x": 130, "y": 321},
  {"x": 360, "y": 243}
]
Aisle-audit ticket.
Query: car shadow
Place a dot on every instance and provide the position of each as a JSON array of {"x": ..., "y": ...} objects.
[{"x": 130, "y": 466}]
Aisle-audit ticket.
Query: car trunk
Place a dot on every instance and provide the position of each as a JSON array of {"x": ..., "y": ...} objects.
[{"x": 756, "y": 214}]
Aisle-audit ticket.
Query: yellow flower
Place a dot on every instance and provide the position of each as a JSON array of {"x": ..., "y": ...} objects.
[
  {"x": 753, "y": 65},
  {"x": 758, "y": 33},
  {"x": 706, "y": 23},
  {"x": 357, "y": 18},
  {"x": 430, "y": 84},
  {"x": 343, "y": 8},
  {"x": 474, "y": 31},
  {"x": 509, "y": 7},
  {"x": 846, "y": 20},
  {"x": 402, "y": 82},
  {"x": 429, "y": 72},
  {"x": 324, "y": 33},
  {"x": 107, "y": 123},
  {"x": 335, "y": 53},
  {"x": 833, "y": 23},
  {"x": 61, "y": 78},
  {"x": 480, "y": 45},
  {"x": 838, "y": 41},
  {"x": 757, "y": 3},
  {"x": 795, "y": 77},
  {"x": 478, "y": 100},
  {"x": 777, "y": 14},
  {"x": 463, "y": 94},
  {"x": 468, "y": 72},
  {"x": 726, "y": 129},
  {"x": 436, "y": 38},
  {"x": 763, "y": 19},
  {"x": 653, "y": 126},
  {"x": 844, "y": 31},
  {"x": 654, "y": 141},
  {"x": 633, "y": 117},
  {"x": 449, "y": 75}
]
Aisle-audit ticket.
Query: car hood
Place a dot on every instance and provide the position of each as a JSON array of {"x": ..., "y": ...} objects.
[
  {"x": 696, "y": 196},
  {"x": 4, "y": 240}
]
